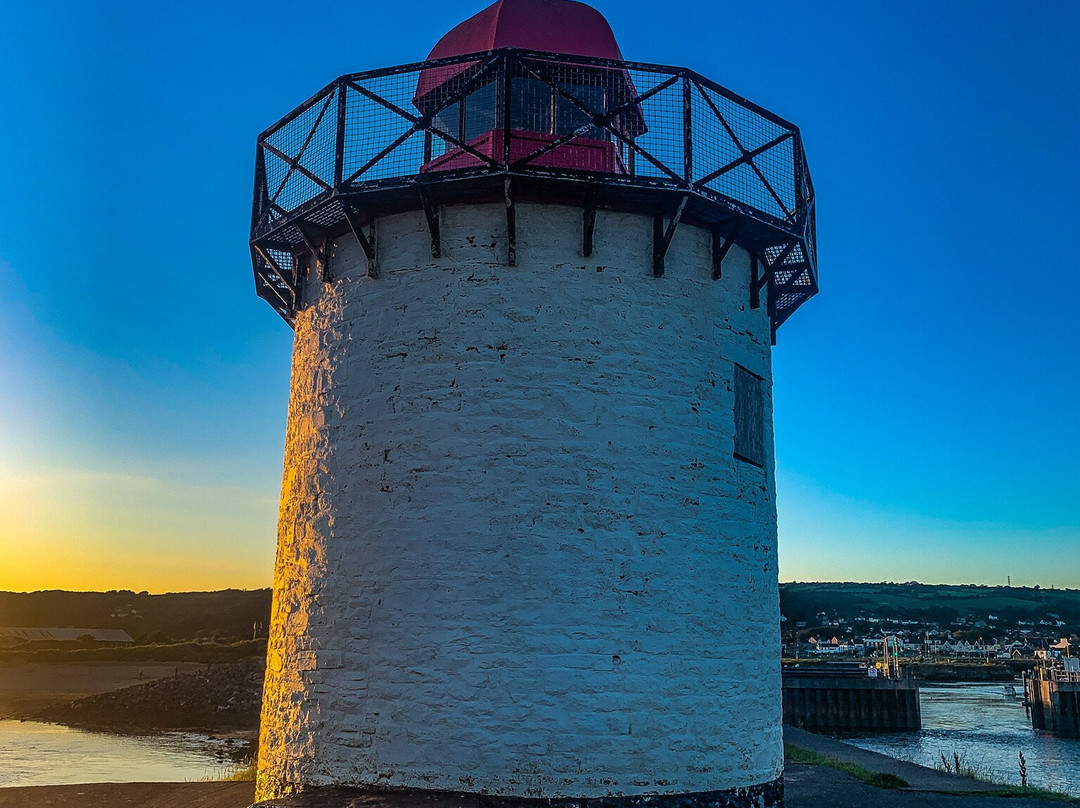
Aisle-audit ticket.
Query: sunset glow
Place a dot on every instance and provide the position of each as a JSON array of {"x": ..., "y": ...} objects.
[{"x": 925, "y": 401}]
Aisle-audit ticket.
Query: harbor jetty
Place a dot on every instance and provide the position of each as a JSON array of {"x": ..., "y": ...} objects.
[
  {"x": 1052, "y": 695},
  {"x": 849, "y": 697}
]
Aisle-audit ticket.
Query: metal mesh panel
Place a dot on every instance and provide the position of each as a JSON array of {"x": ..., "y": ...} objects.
[
  {"x": 380, "y": 139},
  {"x": 318, "y": 158},
  {"x": 298, "y": 189},
  {"x": 714, "y": 146},
  {"x": 784, "y": 274},
  {"x": 728, "y": 132},
  {"x": 554, "y": 107},
  {"x": 300, "y": 153},
  {"x": 663, "y": 114},
  {"x": 400, "y": 123},
  {"x": 271, "y": 285},
  {"x": 777, "y": 164},
  {"x": 648, "y": 127},
  {"x": 789, "y": 301}
]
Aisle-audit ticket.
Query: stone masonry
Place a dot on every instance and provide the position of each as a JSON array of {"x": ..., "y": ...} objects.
[{"x": 516, "y": 553}]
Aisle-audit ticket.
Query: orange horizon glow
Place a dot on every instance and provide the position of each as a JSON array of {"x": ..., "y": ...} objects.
[{"x": 92, "y": 531}]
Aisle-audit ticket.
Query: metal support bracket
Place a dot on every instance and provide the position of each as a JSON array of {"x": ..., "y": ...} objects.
[
  {"x": 588, "y": 223},
  {"x": 772, "y": 313},
  {"x": 291, "y": 283},
  {"x": 722, "y": 242},
  {"x": 511, "y": 225},
  {"x": 367, "y": 242},
  {"x": 772, "y": 267},
  {"x": 794, "y": 281},
  {"x": 431, "y": 211},
  {"x": 321, "y": 255},
  {"x": 662, "y": 239},
  {"x": 755, "y": 296}
]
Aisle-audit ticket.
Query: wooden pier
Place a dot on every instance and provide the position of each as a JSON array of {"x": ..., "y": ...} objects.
[
  {"x": 1053, "y": 699},
  {"x": 845, "y": 699}
]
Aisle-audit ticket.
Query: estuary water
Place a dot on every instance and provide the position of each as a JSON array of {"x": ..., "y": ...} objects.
[
  {"x": 988, "y": 729},
  {"x": 978, "y": 722},
  {"x": 35, "y": 754}
]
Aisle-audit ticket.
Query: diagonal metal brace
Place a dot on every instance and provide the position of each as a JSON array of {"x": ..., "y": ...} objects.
[
  {"x": 290, "y": 280},
  {"x": 431, "y": 212},
  {"x": 588, "y": 222},
  {"x": 287, "y": 304},
  {"x": 367, "y": 244},
  {"x": 320, "y": 254},
  {"x": 511, "y": 224},
  {"x": 662, "y": 239},
  {"x": 755, "y": 285},
  {"x": 721, "y": 244},
  {"x": 772, "y": 267}
]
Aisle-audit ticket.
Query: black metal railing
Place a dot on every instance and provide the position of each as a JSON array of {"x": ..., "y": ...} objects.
[{"x": 625, "y": 133}]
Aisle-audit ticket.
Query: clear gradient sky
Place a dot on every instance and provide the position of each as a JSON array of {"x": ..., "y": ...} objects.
[{"x": 926, "y": 400}]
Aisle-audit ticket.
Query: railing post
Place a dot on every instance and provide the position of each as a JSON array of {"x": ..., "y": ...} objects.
[
  {"x": 339, "y": 154},
  {"x": 261, "y": 197},
  {"x": 800, "y": 181},
  {"x": 688, "y": 131},
  {"x": 507, "y": 118}
]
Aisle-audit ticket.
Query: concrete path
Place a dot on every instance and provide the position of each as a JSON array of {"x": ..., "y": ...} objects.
[
  {"x": 919, "y": 778},
  {"x": 805, "y": 786},
  {"x": 808, "y": 786},
  {"x": 131, "y": 795}
]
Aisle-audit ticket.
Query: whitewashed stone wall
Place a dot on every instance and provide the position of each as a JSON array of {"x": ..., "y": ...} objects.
[{"x": 516, "y": 555}]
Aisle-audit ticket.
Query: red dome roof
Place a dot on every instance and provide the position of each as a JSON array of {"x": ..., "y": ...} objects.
[{"x": 556, "y": 26}]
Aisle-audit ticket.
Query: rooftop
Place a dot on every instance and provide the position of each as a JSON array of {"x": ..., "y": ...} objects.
[{"x": 556, "y": 26}]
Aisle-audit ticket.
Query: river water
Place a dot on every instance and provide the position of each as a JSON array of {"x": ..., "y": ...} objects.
[
  {"x": 980, "y": 723},
  {"x": 988, "y": 730},
  {"x": 34, "y": 754}
]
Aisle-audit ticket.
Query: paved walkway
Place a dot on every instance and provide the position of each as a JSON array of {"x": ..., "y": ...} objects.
[
  {"x": 808, "y": 786},
  {"x": 131, "y": 795},
  {"x": 920, "y": 778}
]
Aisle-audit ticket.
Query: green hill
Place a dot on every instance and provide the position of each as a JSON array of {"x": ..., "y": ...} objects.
[
  {"x": 230, "y": 615},
  {"x": 801, "y": 602}
]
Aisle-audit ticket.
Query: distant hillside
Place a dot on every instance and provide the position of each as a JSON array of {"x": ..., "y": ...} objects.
[
  {"x": 926, "y": 602},
  {"x": 228, "y": 616},
  {"x": 232, "y": 614}
]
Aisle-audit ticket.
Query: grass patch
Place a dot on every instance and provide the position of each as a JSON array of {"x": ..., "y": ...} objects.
[
  {"x": 796, "y": 754},
  {"x": 240, "y": 773},
  {"x": 959, "y": 765},
  {"x": 243, "y": 772},
  {"x": 1031, "y": 791}
]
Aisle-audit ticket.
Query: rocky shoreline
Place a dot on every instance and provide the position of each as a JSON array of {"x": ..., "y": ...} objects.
[{"x": 217, "y": 699}]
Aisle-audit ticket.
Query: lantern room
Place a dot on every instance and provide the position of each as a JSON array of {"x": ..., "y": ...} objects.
[{"x": 558, "y": 105}]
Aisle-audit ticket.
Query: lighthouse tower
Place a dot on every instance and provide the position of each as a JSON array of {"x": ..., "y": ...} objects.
[{"x": 527, "y": 542}]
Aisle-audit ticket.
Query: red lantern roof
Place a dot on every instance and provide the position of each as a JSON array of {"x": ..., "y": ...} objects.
[{"x": 556, "y": 26}]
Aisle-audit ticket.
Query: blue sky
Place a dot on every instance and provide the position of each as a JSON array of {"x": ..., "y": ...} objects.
[{"x": 926, "y": 400}]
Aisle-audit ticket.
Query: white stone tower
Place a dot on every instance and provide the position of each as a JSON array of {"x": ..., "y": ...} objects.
[{"x": 527, "y": 545}]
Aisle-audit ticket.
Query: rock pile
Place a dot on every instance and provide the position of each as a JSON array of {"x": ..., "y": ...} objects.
[{"x": 216, "y": 699}]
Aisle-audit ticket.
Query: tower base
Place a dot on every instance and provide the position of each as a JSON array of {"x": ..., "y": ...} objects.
[{"x": 763, "y": 795}]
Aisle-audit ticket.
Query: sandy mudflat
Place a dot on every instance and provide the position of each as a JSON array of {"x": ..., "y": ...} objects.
[
  {"x": 131, "y": 795},
  {"x": 27, "y": 687}
]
